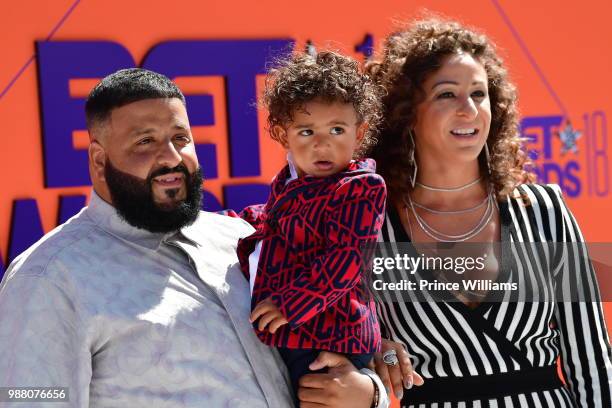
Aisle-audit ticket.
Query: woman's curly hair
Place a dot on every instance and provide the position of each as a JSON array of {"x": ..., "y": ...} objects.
[
  {"x": 409, "y": 57},
  {"x": 326, "y": 76}
]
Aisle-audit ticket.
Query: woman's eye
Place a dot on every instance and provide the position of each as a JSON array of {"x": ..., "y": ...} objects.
[
  {"x": 479, "y": 94},
  {"x": 446, "y": 95},
  {"x": 305, "y": 132},
  {"x": 336, "y": 130},
  {"x": 144, "y": 141}
]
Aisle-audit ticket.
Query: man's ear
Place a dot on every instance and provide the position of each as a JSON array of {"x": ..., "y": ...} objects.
[
  {"x": 97, "y": 160},
  {"x": 280, "y": 134}
]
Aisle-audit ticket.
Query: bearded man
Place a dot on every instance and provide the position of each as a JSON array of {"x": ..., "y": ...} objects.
[{"x": 137, "y": 301}]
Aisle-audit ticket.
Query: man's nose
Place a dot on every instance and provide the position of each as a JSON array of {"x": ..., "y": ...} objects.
[{"x": 168, "y": 155}]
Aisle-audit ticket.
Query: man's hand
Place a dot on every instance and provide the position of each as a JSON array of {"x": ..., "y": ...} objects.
[
  {"x": 342, "y": 386},
  {"x": 268, "y": 314},
  {"x": 401, "y": 375}
]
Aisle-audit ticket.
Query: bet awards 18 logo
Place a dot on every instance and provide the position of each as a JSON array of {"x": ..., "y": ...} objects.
[{"x": 573, "y": 155}]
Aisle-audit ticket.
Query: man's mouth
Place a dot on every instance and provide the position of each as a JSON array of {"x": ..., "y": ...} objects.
[{"x": 170, "y": 180}]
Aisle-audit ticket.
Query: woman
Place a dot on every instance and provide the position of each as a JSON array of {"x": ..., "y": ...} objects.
[{"x": 451, "y": 156}]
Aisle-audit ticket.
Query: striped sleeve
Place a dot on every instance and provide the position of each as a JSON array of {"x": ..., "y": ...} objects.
[{"x": 585, "y": 346}]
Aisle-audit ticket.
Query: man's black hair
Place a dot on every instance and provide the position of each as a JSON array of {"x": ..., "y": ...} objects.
[{"x": 126, "y": 86}]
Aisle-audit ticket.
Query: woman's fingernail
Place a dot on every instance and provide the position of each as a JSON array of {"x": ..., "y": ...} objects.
[
  {"x": 408, "y": 383},
  {"x": 388, "y": 390},
  {"x": 399, "y": 394}
]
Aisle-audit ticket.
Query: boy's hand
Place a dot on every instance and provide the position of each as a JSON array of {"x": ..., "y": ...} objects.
[{"x": 268, "y": 314}]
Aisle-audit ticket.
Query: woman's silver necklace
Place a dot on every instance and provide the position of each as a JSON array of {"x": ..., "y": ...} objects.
[
  {"x": 443, "y": 212},
  {"x": 439, "y": 275},
  {"x": 449, "y": 189},
  {"x": 442, "y": 237}
]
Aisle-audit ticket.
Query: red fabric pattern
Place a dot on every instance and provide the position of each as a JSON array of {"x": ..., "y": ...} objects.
[{"x": 313, "y": 231}]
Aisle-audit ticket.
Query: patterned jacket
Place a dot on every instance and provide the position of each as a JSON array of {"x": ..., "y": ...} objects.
[{"x": 312, "y": 232}]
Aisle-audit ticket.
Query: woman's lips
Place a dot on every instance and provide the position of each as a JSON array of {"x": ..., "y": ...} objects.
[{"x": 465, "y": 135}]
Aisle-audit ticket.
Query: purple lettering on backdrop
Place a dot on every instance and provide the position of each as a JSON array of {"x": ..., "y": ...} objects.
[
  {"x": 58, "y": 62},
  {"x": 572, "y": 185},
  {"x": 238, "y": 61},
  {"x": 239, "y": 196},
  {"x": 26, "y": 227},
  {"x": 539, "y": 131},
  {"x": 70, "y": 206},
  {"x": 25, "y": 230},
  {"x": 552, "y": 173},
  {"x": 201, "y": 113},
  {"x": 366, "y": 47},
  {"x": 546, "y": 124},
  {"x": 210, "y": 202}
]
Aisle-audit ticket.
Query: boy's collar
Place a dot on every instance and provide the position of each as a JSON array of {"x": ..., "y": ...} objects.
[{"x": 292, "y": 169}]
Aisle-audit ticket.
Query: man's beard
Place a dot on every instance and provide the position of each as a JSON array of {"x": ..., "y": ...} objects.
[{"x": 133, "y": 199}]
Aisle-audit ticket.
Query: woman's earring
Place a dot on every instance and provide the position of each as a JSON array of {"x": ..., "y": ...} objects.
[
  {"x": 487, "y": 157},
  {"x": 412, "y": 160},
  {"x": 310, "y": 49}
]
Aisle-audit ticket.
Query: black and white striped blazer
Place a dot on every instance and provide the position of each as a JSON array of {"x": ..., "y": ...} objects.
[{"x": 451, "y": 341}]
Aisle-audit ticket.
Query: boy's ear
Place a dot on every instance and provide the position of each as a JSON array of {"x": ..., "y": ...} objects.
[
  {"x": 361, "y": 131},
  {"x": 280, "y": 134}
]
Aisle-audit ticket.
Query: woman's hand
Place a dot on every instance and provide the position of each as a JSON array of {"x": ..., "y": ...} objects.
[{"x": 399, "y": 376}]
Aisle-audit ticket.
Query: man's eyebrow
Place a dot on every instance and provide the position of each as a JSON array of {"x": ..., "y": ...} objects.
[
  {"x": 141, "y": 131},
  {"x": 144, "y": 131},
  {"x": 181, "y": 126}
]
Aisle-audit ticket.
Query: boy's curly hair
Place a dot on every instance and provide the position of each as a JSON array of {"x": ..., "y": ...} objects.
[
  {"x": 328, "y": 76},
  {"x": 409, "y": 57}
]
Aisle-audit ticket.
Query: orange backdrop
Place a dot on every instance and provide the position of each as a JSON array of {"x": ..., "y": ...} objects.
[{"x": 558, "y": 55}]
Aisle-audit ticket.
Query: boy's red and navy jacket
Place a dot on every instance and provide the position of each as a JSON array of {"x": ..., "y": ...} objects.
[{"x": 313, "y": 230}]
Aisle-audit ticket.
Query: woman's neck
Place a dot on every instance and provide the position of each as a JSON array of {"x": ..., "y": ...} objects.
[{"x": 440, "y": 176}]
